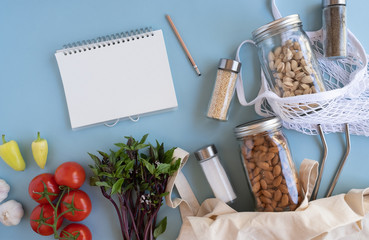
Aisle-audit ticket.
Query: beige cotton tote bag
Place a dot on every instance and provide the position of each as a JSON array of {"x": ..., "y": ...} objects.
[{"x": 344, "y": 216}]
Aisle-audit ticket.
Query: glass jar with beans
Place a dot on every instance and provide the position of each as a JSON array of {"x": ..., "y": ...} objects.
[
  {"x": 287, "y": 58},
  {"x": 268, "y": 164}
]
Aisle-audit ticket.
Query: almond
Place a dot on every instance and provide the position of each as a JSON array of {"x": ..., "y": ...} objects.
[
  {"x": 278, "y": 209},
  {"x": 275, "y": 160},
  {"x": 269, "y": 182},
  {"x": 273, "y": 150},
  {"x": 266, "y": 193},
  {"x": 256, "y": 171},
  {"x": 272, "y": 143},
  {"x": 268, "y": 175},
  {"x": 284, "y": 201},
  {"x": 256, "y": 179},
  {"x": 259, "y": 140},
  {"x": 263, "y": 165},
  {"x": 283, "y": 188},
  {"x": 263, "y": 184},
  {"x": 267, "y": 200},
  {"x": 277, "y": 181},
  {"x": 250, "y": 165},
  {"x": 269, "y": 156},
  {"x": 263, "y": 148},
  {"x": 268, "y": 208},
  {"x": 277, "y": 195},
  {"x": 277, "y": 170},
  {"x": 261, "y": 157},
  {"x": 256, "y": 187},
  {"x": 293, "y": 207}
]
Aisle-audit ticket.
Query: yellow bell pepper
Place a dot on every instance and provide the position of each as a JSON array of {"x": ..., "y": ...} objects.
[
  {"x": 40, "y": 150},
  {"x": 11, "y": 154}
]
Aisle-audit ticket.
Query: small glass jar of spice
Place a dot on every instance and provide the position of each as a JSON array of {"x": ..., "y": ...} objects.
[
  {"x": 215, "y": 173},
  {"x": 268, "y": 164},
  {"x": 223, "y": 92},
  {"x": 334, "y": 28}
]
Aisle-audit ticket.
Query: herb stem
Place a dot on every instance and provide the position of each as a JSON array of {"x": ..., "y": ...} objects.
[
  {"x": 132, "y": 219},
  {"x": 147, "y": 228},
  {"x": 106, "y": 195}
]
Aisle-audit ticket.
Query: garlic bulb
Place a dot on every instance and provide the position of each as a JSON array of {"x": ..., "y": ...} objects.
[
  {"x": 11, "y": 212},
  {"x": 4, "y": 189}
]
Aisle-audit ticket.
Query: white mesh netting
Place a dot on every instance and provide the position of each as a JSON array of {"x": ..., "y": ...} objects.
[{"x": 345, "y": 101}]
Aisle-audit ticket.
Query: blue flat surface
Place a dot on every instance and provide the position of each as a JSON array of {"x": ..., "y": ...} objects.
[{"x": 32, "y": 97}]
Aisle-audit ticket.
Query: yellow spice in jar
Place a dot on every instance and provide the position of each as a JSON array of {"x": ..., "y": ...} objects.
[{"x": 222, "y": 94}]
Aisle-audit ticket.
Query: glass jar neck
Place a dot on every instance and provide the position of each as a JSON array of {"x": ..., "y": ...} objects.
[
  {"x": 261, "y": 133},
  {"x": 273, "y": 32}
]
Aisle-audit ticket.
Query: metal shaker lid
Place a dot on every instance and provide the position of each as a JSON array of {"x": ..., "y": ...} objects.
[
  {"x": 333, "y": 2},
  {"x": 229, "y": 64},
  {"x": 257, "y": 126},
  {"x": 206, "y": 152},
  {"x": 275, "y": 27}
]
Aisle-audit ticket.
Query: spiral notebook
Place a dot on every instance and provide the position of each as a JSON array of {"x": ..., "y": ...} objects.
[{"x": 115, "y": 77}]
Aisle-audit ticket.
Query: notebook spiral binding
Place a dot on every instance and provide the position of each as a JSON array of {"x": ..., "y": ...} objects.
[{"x": 106, "y": 41}]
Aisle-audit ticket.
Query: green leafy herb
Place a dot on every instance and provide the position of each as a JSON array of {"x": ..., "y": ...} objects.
[
  {"x": 160, "y": 228},
  {"x": 134, "y": 179}
]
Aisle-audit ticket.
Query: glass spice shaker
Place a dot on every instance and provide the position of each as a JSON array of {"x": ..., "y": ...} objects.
[
  {"x": 224, "y": 89},
  {"x": 268, "y": 164},
  {"x": 215, "y": 174},
  {"x": 334, "y": 28},
  {"x": 287, "y": 58}
]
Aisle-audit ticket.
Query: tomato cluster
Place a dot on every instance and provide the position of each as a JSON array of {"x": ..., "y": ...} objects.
[{"x": 59, "y": 198}]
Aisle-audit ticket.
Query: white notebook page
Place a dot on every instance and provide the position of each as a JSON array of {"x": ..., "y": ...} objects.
[{"x": 117, "y": 81}]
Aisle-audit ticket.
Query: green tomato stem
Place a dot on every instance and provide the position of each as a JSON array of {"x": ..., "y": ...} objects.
[
  {"x": 56, "y": 216},
  {"x": 48, "y": 224}
]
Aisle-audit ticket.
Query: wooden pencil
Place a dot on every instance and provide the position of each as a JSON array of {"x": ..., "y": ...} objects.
[{"x": 183, "y": 45}]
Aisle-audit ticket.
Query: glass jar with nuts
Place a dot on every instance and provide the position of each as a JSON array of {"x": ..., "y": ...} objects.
[
  {"x": 268, "y": 164},
  {"x": 287, "y": 58}
]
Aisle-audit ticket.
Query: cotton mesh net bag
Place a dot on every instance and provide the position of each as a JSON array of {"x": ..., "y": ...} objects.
[{"x": 346, "y": 99}]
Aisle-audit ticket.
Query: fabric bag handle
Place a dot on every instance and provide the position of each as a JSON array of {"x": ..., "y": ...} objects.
[
  {"x": 188, "y": 203},
  {"x": 239, "y": 84}
]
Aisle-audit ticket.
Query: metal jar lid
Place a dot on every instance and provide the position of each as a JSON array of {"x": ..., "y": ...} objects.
[
  {"x": 275, "y": 27},
  {"x": 327, "y": 3},
  {"x": 230, "y": 65},
  {"x": 257, "y": 126},
  {"x": 206, "y": 152}
]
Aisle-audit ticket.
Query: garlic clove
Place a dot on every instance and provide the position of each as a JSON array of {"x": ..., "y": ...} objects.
[
  {"x": 11, "y": 213},
  {"x": 4, "y": 190}
]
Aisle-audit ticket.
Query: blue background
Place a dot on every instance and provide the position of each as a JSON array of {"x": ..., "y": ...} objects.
[{"x": 32, "y": 97}]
